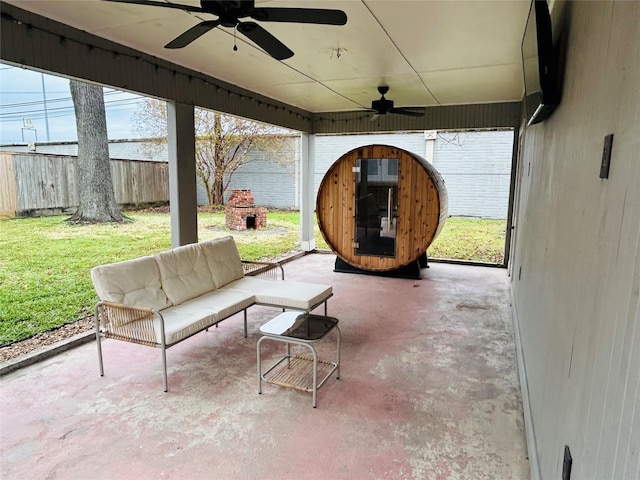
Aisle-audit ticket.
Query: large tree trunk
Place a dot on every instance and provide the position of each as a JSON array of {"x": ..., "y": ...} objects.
[
  {"x": 97, "y": 202},
  {"x": 217, "y": 192}
]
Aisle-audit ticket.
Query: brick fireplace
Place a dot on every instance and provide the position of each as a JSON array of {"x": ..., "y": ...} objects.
[{"x": 240, "y": 213}]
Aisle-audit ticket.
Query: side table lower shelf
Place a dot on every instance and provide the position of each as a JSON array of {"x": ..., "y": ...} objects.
[{"x": 298, "y": 372}]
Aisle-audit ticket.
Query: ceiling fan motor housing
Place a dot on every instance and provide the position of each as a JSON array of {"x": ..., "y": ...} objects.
[
  {"x": 382, "y": 106},
  {"x": 228, "y": 12}
]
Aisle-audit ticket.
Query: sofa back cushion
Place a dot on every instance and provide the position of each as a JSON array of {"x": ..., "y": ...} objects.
[
  {"x": 223, "y": 259},
  {"x": 132, "y": 282},
  {"x": 184, "y": 273}
]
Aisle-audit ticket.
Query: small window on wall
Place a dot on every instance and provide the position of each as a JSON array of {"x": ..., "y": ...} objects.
[{"x": 372, "y": 168}]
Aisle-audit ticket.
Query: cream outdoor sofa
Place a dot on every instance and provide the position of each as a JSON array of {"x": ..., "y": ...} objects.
[{"x": 163, "y": 299}]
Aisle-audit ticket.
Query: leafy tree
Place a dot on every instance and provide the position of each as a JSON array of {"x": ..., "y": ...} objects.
[
  {"x": 223, "y": 143},
  {"x": 97, "y": 201}
]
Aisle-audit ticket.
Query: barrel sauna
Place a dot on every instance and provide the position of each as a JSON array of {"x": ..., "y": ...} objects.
[{"x": 380, "y": 207}]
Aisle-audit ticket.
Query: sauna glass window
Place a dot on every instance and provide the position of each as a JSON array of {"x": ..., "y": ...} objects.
[
  {"x": 372, "y": 169},
  {"x": 376, "y": 206}
]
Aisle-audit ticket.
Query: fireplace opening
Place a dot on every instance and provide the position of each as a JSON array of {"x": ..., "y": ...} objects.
[{"x": 241, "y": 213}]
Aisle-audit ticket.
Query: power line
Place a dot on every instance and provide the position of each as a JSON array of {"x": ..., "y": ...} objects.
[
  {"x": 39, "y": 113},
  {"x": 37, "y": 92},
  {"x": 59, "y": 99},
  {"x": 35, "y": 102}
]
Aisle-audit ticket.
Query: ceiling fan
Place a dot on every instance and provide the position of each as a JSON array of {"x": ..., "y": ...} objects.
[
  {"x": 229, "y": 14},
  {"x": 384, "y": 106}
]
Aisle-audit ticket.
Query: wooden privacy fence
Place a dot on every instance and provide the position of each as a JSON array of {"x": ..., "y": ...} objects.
[{"x": 33, "y": 184}]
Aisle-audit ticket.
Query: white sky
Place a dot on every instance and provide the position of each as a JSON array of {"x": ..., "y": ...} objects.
[{"x": 22, "y": 96}]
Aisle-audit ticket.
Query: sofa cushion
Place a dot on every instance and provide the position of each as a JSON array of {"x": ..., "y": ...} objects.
[
  {"x": 132, "y": 282},
  {"x": 224, "y": 260},
  {"x": 198, "y": 313},
  {"x": 295, "y": 295},
  {"x": 254, "y": 285},
  {"x": 184, "y": 273}
]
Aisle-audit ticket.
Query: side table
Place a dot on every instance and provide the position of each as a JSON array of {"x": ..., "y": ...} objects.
[{"x": 298, "y": 371}]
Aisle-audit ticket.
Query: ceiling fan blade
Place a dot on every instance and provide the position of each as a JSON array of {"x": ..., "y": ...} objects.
[
  {"x": 300, "y": 15},
  {"x": 192, "y": 34},
  {"x": 265, "y": 40},
  {"x": 151, "y": 3},
  {"x": 411, "y": 111}
]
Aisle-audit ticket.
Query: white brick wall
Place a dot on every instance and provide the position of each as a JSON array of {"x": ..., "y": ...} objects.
[
  {"x": 272, "y": 184},
  {"x": 476, "y": 166}
]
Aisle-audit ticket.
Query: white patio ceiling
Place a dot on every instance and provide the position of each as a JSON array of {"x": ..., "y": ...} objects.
[{"x": 429, "y": 52}]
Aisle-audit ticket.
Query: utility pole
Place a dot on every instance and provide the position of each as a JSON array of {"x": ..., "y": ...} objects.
[{"x": 46, "y": 113}]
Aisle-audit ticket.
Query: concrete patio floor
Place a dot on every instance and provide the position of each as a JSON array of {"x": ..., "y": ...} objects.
[{"x": 429, "y": 389}]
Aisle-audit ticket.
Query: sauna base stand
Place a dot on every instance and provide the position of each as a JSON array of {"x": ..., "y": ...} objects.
[{"x": 412, "y": 270}]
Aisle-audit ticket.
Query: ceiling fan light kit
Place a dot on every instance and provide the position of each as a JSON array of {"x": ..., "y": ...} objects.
[{"x": 229, "y": 14}]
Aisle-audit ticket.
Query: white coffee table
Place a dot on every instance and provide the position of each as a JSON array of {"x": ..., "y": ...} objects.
[{"x": 298, "y": 371}]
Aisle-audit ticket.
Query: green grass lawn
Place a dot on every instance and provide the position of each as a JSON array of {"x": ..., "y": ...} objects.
[
  {"x": 45, "y": 262},
  {"x": 475, "y": 239}
]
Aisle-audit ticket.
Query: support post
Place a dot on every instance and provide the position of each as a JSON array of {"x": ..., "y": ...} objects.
[
  {"x": 307, "y": 197},
  {"x": 182, "y": 174},
  {"x": 430, "y": 137},
  {"x": 513, "y": 186}
]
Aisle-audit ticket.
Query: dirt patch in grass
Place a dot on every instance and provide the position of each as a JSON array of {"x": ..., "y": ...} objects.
[{"x": 29, "y": 345}]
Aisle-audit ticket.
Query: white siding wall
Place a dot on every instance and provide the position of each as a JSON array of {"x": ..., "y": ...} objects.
[{"x": 577, "y": 300}]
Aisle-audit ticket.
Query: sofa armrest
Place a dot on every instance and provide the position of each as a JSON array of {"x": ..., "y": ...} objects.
[
  {"x": 128, "y": 323},
  {"x": 263, "y": 269}
]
